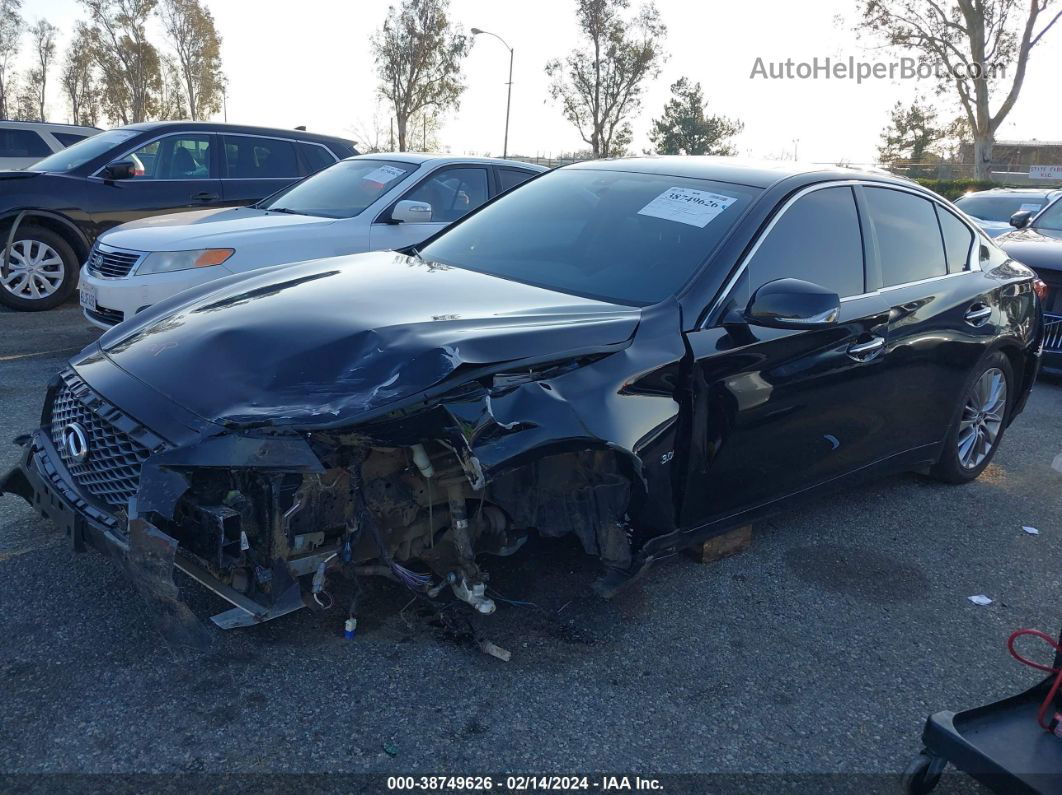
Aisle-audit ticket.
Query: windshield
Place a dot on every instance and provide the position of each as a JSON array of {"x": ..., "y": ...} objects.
[
  {"x": 1051, "y": 218},
  {"x": 999, "y": 207},
  {"x": 81, "y": 153},
  {"x": 625, "y": 238},
  {"x": 340, "y": 191}
]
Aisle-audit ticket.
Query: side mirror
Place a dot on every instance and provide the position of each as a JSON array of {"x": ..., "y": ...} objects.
[
  {"x": 121, "y": 169},
  {"x": 1020, "y": 220},
  {"x": 792, "y": 303},
  {"x": 410, "y": 212}
]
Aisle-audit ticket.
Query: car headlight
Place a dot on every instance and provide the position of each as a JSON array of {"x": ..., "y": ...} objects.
[{"x": 168, "y": 261}]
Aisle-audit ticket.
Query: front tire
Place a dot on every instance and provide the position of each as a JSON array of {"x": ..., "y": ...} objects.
[
  {"x": 42, "y": 272},
  {"x": 981, "y": 421}
]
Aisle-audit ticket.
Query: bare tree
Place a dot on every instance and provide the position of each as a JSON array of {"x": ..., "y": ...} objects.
[
  {"x": 191, "y": 31},
  {"x": 600, "y": 86},
  {"x": 43, "y": 33},
  {"x": 967, "y": 41},
  {"x": 128, "y": 62},
  {"x": 418, "y": 58},
  {"x": 10, "y": 38},
  {"x": 173, "y": 103},
  {"x": 78, "y": 78}
]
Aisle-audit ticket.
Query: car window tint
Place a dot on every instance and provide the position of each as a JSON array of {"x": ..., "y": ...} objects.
[
  {"x": 174, "y": 157},
  {"x": 22, "y": 143},
  {"x": 818, "y": 240},
  {"x": 909, "y": 240},
  {"x": 452, "y": 192},
  {"x": 259, "y": 158},
  {"x": 315, "y": 157},
  {"x": 957, "y": 240},
  {"x": 342, "y": 190},
  {"x": 509, "y": 178},
  {"x": 68, "y": 139}
]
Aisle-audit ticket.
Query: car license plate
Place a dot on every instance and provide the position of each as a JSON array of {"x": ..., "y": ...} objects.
[{"x": 88, "y": 298}]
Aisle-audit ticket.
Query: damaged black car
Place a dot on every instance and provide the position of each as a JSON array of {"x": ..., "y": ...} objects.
[{"x": 640, "y": 353}]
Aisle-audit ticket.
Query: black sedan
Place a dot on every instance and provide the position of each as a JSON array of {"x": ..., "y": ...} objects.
[
  {"x": 641, "y": 353},
  {"x": 1038, "y": 243},
  {"x": 52, "y": 212}
]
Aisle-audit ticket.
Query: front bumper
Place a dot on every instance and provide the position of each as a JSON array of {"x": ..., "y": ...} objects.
[
  {"x": 147, "y": 555},
  {"x": 122, "y": 298}
]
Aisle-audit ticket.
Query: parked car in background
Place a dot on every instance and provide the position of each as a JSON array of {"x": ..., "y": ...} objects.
[
  {"x": 65, "y": 201},
  {"x": 364, "y": 203},
  {"x": 992, "y": 209},
  {"x": 1037, "y": 242},
  {"x": 23, "y": 143},
  {"x": 639, "y": 353}
]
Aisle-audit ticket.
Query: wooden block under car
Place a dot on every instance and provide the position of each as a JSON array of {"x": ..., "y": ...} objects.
[{"x": 722, "y": 546}]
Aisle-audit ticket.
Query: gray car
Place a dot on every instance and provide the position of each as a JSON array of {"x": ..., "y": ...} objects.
[{"x": 992, "y": 209}]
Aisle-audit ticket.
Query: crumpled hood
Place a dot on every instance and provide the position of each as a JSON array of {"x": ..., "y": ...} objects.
[
  {"x": 325, "y": 341},
  {"x": 1037, "y": 248},
  {"x": 224, "y": 227}
]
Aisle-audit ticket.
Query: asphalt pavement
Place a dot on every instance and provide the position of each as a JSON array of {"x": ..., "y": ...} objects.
[{"x": 821, "y": 649}]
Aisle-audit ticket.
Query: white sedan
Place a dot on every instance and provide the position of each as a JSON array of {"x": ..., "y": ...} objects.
[{"x": 364, "y": 203}]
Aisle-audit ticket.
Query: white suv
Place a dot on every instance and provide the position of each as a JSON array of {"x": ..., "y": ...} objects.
[
  {"x": 23, "y": 143},
  {"x": 364, "y": 203}
]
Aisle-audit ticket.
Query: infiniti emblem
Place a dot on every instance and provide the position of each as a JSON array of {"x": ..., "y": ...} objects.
[{"x": 75, "y": 442}]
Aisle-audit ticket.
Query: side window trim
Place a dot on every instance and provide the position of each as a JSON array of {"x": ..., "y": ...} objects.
[
  {"x": 713, "y": 315},
  {"x": 215, "y": 164}
]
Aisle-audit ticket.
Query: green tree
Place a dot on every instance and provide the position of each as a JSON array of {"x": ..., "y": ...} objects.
[
  {"x": 418, "y": 54},
  {"x": 685, "y": 128},
  {"x": 78, "y": 78},
  {"x": 43, "y": 33},
  {"x": 979, "y": 48},
  {"x": 10, "y": 38},
  {"x": 911, "y": 134},
  {"x": 129, "y": 64},
  {"x": 191, "y": 31},
  {"x": 599, "y": 86}
]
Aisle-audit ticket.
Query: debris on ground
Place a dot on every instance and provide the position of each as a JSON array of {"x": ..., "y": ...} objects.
[
  {"x": 1030, "y": 530},
  {"x": 494, "y": 650},
  {"x": 980, "y": 599}
]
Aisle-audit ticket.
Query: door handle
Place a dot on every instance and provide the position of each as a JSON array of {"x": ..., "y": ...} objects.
[
  {"x": 204, "y": 196},
  {"x": 978, "y": 314},
  {"x": 865, "y": 351}
]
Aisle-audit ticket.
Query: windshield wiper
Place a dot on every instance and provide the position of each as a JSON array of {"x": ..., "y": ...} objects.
[
  {"x": 413, "y": 252},
  {"x": 287, "y": 210}
]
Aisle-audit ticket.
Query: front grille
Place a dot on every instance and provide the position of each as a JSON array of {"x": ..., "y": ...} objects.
[
  {"x": 111, "y": 470},
  {"x": 1053, "y": 333},
  {"x": 111, "y": 263},
  {"x": 112, "y": 317}
]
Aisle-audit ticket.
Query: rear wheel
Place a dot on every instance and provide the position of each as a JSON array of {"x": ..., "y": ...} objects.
[
  {"x": 41, "y": 272},
  {"x": 976, "y": 432}
]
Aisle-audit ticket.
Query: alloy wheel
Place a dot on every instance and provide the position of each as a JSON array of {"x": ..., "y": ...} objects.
[
  {"x": 982, "y": 418},
  {"x": 35, "y": 270}
]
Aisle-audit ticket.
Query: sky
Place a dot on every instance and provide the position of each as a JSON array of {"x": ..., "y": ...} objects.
[{"x": 309, "y": 63}]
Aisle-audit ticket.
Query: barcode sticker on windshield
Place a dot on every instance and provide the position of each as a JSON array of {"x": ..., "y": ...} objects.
[
  {"x": 687, "y": 206},
  {"x": 382, "y": 175}
]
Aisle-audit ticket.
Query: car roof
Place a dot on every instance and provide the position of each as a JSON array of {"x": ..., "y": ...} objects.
[
  {"x": 742, "y": 171},
  {"x": 9, "y": 123},
  {"x": 1021, "y": 191},
  {"x": 214, "y": 126},
  {"x": 419, "y": 158}
]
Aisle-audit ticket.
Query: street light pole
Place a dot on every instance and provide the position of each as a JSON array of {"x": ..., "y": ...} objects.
[{"x": 509, "y": 97}]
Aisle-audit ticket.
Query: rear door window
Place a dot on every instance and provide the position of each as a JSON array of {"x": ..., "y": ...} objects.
[
  {"x": 22, "y": 143},
  {"x": 509, "y": 178},
  {"x": 957, "y": 240},
  {"x": 68, "y": 139},
  {"x": 248, "y": 157},
  {"x": 818, "y": 240},
  {"x": 315, "y": 157},
  {"x": 909, "y": 239}
]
